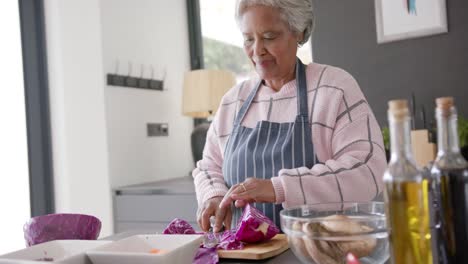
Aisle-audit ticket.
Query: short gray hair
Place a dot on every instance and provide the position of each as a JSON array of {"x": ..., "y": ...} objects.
[{"x": 298, "y": 14}]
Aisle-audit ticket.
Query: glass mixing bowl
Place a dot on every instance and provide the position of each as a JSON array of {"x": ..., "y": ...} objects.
[{"x": 328, "y": 232}]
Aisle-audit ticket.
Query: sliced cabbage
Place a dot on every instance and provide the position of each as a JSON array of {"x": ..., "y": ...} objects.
[
  {"x": 228, "y": 241},
  {"x": 179, "y": 226},
  {"x": 206, "y": 256}
]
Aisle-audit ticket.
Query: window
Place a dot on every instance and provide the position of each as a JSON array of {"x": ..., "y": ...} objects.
[
  {"x": 14, "y": 197},
  {"x": 222, "y": 41}
]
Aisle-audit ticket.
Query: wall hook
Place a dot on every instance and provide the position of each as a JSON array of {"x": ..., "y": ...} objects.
[
  {"x": 129, "y": 80},
  {"x": 163, "y": 78},
  {"x": 155, "y": 84},
  {"x": 136, "y": 82},
  {"x": 116, "y": 79},
  {"x": 116, "y": 67},
  {"x": 142, "y": 82}
]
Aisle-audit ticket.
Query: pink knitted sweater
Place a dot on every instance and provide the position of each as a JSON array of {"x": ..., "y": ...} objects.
[{"x": 346, "y": 138}]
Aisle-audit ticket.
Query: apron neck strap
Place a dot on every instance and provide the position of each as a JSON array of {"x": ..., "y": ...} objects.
[
  {"x": 301, "y": 87},
  {"x": 246, "y": 104}
]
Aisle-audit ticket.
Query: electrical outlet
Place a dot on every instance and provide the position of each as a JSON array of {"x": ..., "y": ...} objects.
[{"x": 157, "y": 129}]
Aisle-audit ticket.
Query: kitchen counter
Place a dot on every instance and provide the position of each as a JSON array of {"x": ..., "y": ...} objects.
[
  {"x": 286, "y": 257},
  {"x": 174, "y": 188}
]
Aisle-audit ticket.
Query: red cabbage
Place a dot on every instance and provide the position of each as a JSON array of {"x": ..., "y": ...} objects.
[
  {"x": 206, "y": 256},
  {"x": 50, "y": 227},
  {"x": 228, "y": 241},
  {"x": 254, "y": 226},
  {"x": 179, "y": 226}
]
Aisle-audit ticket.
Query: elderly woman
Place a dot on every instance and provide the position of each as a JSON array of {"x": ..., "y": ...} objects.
[{"x": 298, "y": 134}]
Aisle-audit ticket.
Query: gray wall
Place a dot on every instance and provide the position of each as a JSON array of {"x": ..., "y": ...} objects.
[{"x": 345, "y": 36}]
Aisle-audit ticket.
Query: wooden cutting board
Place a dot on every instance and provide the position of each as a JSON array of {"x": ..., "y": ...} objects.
[{"x": 277, "y": 245}]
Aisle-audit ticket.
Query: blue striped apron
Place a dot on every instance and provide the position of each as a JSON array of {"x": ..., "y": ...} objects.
[{"x": 262, "y": 151}]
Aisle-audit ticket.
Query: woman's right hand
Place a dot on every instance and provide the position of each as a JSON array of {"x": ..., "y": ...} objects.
[{"x": 211, "y": 208}]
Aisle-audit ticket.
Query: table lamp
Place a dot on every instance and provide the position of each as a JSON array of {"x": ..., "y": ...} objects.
[{"x": 203, "y": 90}]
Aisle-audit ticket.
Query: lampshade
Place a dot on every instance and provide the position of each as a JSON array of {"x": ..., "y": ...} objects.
[{"x": 203, "y": 90}]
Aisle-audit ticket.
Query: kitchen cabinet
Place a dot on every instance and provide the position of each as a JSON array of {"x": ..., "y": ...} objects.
[{"x": 151, "y": 206}]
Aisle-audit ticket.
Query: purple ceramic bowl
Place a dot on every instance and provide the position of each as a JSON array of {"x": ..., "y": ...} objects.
[{"x": 50, "y": 227}]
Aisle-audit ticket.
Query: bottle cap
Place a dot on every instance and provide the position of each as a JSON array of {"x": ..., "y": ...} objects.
[
  {"x": 398, "y": 108},
  {"x": 398, "y": 104},
  {"x": 445, "y": 103}
]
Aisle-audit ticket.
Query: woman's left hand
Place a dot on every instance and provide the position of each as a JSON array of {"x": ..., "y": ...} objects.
[{"x": 249, "y": 191}]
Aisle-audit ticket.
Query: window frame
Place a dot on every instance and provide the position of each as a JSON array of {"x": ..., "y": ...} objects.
[
  {"x": 195, "y": 35},
  {"x": 36, "y": 87}
]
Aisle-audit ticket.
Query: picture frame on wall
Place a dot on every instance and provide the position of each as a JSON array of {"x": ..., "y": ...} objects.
[{"x": 406, "y": 19}]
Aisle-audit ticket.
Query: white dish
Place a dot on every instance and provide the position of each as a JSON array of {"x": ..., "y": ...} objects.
[
  {"x": 179, "y": 249},
  {"x": 58, "y": 251}
]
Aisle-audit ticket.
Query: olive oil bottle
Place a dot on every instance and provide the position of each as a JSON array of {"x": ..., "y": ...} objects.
[
  {"x": 406, "y": 194},
  {"x": 451, "y": 173}
]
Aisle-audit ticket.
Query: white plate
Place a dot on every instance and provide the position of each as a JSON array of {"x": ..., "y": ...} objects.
[
  {"x": 58, "y": 251},
  {"x": 180, "y": 249}
]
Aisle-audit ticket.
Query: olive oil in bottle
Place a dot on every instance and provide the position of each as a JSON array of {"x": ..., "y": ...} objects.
[
  {"x": 406, "y": 194},
  {"x": 451, "y": 173}
]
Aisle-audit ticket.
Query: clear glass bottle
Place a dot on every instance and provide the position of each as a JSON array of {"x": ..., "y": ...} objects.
[
  {"x": 450, "y": 172},
  {"x": 406, "y": 194}
]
